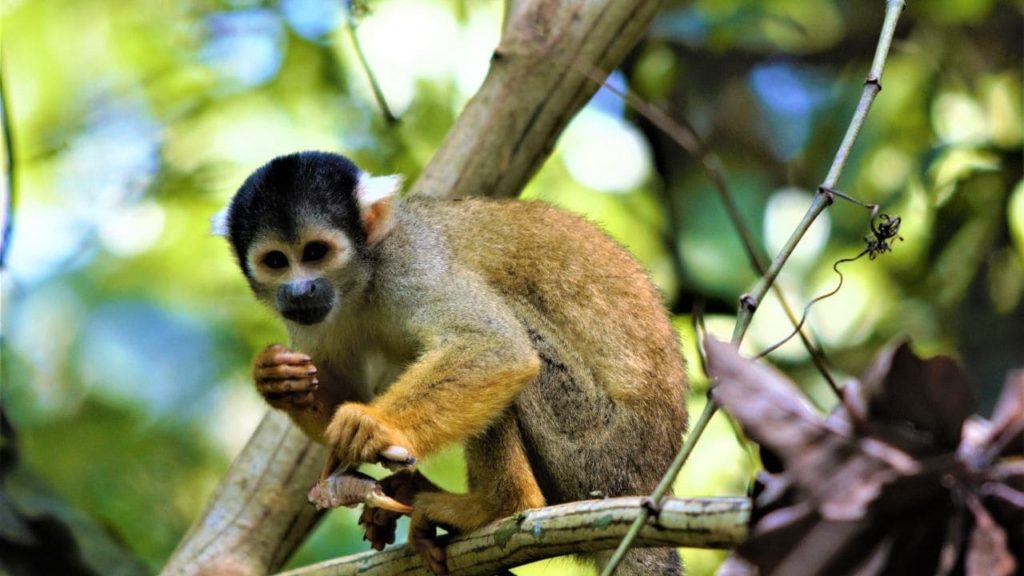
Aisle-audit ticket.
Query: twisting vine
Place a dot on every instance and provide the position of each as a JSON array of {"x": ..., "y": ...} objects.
[{"x": 880, "y": 241}]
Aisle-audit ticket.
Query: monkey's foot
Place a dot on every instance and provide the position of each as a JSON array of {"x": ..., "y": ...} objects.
[
  {"x": 423, "y": 537},
  {"x": 456, "y": 513},
  {"x": 286, "y": 379},
  {"x": 379, "y": 524},
  {"x": 358, "y": 434}
]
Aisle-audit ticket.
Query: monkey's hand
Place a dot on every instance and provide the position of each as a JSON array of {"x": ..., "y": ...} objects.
[
  {"x": 378, "y": 523},
  {"x": 286, "y": 380},
  {"x": 360, "y": 433}
]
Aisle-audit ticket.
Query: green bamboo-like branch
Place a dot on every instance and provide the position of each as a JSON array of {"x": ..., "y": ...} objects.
[
  {"x": 587, "y": 526},
  {"x": 749, "y": 303}
]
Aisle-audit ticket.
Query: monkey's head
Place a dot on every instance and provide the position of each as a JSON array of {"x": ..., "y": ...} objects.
[{"x": 303, "y": 227}]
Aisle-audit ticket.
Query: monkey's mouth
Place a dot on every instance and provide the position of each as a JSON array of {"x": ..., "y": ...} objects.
[{"x": 306, "y": 316}]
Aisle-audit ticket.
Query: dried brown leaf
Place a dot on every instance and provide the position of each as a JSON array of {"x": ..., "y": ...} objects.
[
  {"x": 952, "y": 546},
  {"x": 1008, "y": 417},
  {"x": 879, "y": 485},
  {"x": 771, "y": 409},
  {"x": 987, "y": 554},
  {"x": 917, "y": 404},
  {"x": 734, "y": 565},
  {"x": 842, "y": 474}
]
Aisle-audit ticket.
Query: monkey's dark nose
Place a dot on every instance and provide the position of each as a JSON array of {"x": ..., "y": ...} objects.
[
  {"x": 301, "y": 289},
  {"x": 305, "y": 301}
]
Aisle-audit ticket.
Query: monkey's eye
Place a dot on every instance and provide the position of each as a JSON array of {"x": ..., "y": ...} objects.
[
  {"x": 275, "y": 260},
  {"x": 314, "y": 251}
]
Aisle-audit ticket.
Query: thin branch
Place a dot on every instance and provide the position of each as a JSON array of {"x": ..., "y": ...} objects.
[
  {"x": 880, "y": 241},
  {"x": 7, "y": 180},
  {"x": 378, "y": 94},
  {"x": 872, "y": 86},
  {"x": 749, "y": 303},
  {"x": 587, "y": 526},
  {"x": 686, "y": 137},
  {"x": 815, "y": 300}
]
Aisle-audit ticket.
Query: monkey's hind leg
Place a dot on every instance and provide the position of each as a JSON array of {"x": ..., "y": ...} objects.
[
  {"x": 644, "y": 562},
  {"x": 501, "y": 483}
]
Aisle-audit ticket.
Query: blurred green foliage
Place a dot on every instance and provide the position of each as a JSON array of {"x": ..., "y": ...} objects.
[{"x": 127, "y": 330}]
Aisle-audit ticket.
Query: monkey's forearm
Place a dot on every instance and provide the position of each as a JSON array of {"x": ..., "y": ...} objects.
[{"x": 438, "y": 401}]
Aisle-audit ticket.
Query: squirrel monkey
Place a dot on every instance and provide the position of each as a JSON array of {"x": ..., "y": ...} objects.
[{"x": 512, "y": 327}]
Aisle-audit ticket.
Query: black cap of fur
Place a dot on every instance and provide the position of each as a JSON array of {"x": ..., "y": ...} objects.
[{"x": 290, "y": 189}]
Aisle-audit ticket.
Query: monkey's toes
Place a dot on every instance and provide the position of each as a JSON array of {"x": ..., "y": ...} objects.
[
  {"x": 423, "y": 536},
  {"x": 379, "y": 526}
]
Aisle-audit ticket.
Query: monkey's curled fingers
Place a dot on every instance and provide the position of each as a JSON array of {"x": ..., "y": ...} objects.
[
  {"x": 357, "y": 433},
  {"x": 378, "y": 523},
  {"x": 285, "y": 379}
]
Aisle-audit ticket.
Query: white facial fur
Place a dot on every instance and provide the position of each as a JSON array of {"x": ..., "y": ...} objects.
[
  {"x": 339, "y": 254},
  {"x": 371, "y": 189},
  {"x": 219, "y": 223}
]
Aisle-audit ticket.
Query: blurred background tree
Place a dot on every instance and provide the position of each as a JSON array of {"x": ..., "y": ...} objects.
[{"x": 127, "y": 331}]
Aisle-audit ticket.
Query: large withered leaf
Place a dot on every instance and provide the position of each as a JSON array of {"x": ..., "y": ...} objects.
[
  {"x": 987, "y": 554},
  {"x": 771, "y": 409},
  {"x": 899, "y": 479},
  {"x": 839, "y": 472},
  {"x": 844, "y": 503},
  {"x": 1008, "y": 418},
  {"x": 917, "y": 404},
  {"x": 1003, "y": 495}
]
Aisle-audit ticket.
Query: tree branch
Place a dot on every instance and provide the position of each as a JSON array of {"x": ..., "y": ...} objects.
[
  {"x": 531, "y": 92},
  {"x": 557, "y": 530},
  {"x": 259, "y": 513}
]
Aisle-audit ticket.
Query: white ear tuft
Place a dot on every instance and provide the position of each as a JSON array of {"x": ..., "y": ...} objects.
[
  {"x": 372, "y": 189},
  {"x": 219, "y": 223},
  {"x": 376, "y": 198}
]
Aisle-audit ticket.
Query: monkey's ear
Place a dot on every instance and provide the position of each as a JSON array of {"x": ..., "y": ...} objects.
[
  {"x": 219, "y": 223},
  {"x": 376, "y": 198}
]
